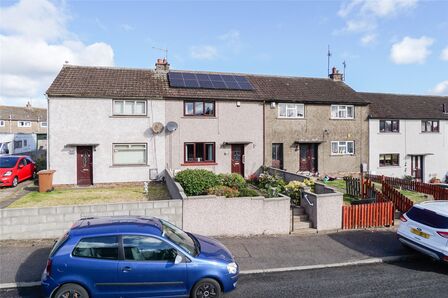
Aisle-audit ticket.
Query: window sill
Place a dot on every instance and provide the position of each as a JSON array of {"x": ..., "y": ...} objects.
[
  {"x": 199, "y": 117},
  {"x": 382, "y": 167},
  {"x": 290, "y": 118},
  {"x": 129, "y": 116},
  {"x": 127, "y": 166},
  {"x": 349, "y": 119},
  {"x": 389, "y": 133},
  {"x": 199, "y": 164},
  {"x": 429, "y": 132},
  {"x": 340, "y": 155}
]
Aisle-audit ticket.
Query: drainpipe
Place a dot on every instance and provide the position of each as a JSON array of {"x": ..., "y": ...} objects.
[
  {"x": 48, "y": 132},
  {"x": 264, "y": 133}
]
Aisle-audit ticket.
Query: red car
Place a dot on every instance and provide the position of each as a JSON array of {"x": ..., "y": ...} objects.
[{"x": 15, "y": 169}]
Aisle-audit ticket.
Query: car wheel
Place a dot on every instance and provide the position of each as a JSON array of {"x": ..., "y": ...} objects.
[
  {"x": 206, "y": 288},
  {"x": 71, "y": 291},
  {"x": 15, "y": 181}
]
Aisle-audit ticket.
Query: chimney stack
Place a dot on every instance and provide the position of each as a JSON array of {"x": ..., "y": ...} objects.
[
  {"x": 28, "y": 105},
  {"x": 162, "y": 66},
  {"x": 335, "y": 75}
]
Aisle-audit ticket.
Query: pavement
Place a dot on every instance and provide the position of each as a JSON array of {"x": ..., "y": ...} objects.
[
  {"x": 10, "y": 194},
  {"x": 23, "y": 261}
]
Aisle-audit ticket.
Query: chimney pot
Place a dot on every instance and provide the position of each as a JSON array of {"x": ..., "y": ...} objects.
[
  {"x": 162, "y": 66},
  {"x": 335, "y": 75}
]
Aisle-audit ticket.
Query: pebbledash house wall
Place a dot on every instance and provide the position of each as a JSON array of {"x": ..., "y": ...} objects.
[
  {"x": 231, "y": 123},
  {"x": 317, "y": 126},
  {"x": 91, "y": 121},
  {"x": 410, "y": 140}
]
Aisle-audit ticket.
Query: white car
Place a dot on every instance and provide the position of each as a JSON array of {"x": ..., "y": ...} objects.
[{"x": 425, "y": 228}]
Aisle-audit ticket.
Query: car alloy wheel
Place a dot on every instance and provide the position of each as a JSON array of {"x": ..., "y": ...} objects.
[
  {"x": 207, "y": 288},
  {"x": 70, "y": 294},
  {"x": 71, "y": 291},
  {"x": 15, "y": 181}
]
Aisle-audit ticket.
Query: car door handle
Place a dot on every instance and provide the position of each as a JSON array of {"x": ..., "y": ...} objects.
[{"x": 126, "y": 269}]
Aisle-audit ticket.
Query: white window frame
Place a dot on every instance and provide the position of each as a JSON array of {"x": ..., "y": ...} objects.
[
  {"x": 130, "y": 149},
  {"x": 124, "y": 101},
  {"x": 294, "y": 107},
  {"x": 341, "y": 145},
  {"x": 42, "y": 124},
  {"x": 2, "y": 123},
  {"x": 338, "y": 109},
  {"x": 23, "y": 123}
]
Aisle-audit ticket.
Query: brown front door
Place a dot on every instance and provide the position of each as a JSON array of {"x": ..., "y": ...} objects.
[
  {"x": 308, "y": 157},
  {"x": 237, "y": 159},
  {"x": 84, "y": 158},
  {"x": 417, "y": 167}
]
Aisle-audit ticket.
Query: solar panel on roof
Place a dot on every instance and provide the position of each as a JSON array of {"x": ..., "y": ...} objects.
[{"x": 208, "y": 81}]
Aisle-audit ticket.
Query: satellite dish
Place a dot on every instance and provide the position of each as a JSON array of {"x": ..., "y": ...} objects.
[
  {"x": 171, "y": 126},
  {"x": 157, "y": 127}
]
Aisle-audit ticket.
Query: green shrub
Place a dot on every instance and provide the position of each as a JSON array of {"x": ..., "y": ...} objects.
[
  {"x": 248, "y": 192},
  {"x": 196, "y": 181},
  {"x": 232, "y": 180},
  {"x": 272, "y": 184},
  {"x": 222, "y": 190},
  {"x": 41, "y": 164}
]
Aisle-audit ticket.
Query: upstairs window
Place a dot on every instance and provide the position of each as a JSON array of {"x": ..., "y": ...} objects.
[
  {"x": 43, "y": 124},
  {"x": 389, "y": 126},
  {"x": 430, "y": 125},
  {"x": 342, "y": 111},
  {"x": 199, "y": 152},
  {"x": 129, "y": 107},
  {"x": 2, "y": 123},
  {"x": 387, "y": 160},
  {"x": 342, "y": 147},
  {"x": 199, "y": 108},
  {"x": 24, "y": 123},
  {"x": 291, "y": 110}
]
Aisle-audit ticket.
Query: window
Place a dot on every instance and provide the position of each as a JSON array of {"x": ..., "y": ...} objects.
[
  {"x": 342, "y": 147},
  {"x": 144, "y": 248},
  {"x": 24, "y": 123},
  {"x": 291, "y": 110},
  {"x": 430, "y": 125},
  {"x": 387, "y": 160},
  {"x": 428, "y": 217},
  {"x": 129, "y": 154},
  {"x": 98, "y": 248},
  {"x": 389, "y": 125},
  {"x": 342, "y": 112},
  {"x": 43, "y": 124},
  {"x": 17, "y": 144},
  {"x": 199, "y": 108},
  {"x": 277, "y": 155},
  {"x": 129, "y": 107},
  {"x": 199, "y": 152},
  {"x": 25, "y": 143},
  {"x": 2, "y": 123}
]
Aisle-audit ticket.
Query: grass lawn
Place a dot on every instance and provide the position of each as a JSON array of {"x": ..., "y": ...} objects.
[
  {"x": 97, "y": 195},
  {"x": 339, "y": 184},
  {"x": 416, "y": 197}
]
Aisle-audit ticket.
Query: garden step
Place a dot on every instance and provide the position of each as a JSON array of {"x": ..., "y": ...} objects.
[
  {"x": 298, "y": 211},
  {"x": 299, "y": 218},
  {"x": 304, "y": 231},
  {"x": 302, "y": 225}
]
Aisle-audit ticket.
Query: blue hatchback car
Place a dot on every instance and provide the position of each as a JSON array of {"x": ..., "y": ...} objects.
[{"x": 137, "y": 257}]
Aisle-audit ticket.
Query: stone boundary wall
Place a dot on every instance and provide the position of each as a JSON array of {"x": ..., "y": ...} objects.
[
  {"x": 174, "y": 188},
  {"x": 52, "y": 222}
]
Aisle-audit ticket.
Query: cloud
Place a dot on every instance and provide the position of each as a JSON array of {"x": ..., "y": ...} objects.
[
  {"x": 444, "y": 55},
  {"x": 204, "y": 52},
  {"x": 411, "y": 50},
  {"x": 35, "y": 43},
  {"x": 368, "y": 39},
  {"x": 441, "y": 88}
]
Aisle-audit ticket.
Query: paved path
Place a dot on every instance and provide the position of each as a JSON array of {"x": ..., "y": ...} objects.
[
  {"x": 24, "y": 261},
  {"x": 10, "y": 194}
]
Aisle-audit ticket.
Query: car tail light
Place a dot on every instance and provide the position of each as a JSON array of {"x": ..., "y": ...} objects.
[
  {"x": 443, "y": 234},
  {"x": 48, "y": 268},
  {"x": 402, "y": 218}
]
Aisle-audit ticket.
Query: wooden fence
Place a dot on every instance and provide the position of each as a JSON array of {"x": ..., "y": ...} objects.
[
  {"x": 439, "y": 193},
  {"x": 372, "y": 215},
  {"x": 401, "y": 202},
  {"x": 353, "y": 188}
]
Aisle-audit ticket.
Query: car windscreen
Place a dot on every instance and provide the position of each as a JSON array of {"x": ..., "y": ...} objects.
[
  {"x": 179, "y": 237},
  {"x": 428, "y": 217},
  {"x": 8, "y": 162}
]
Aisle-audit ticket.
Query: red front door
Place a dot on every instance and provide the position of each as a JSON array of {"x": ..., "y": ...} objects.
[
  {"x": 84, "y": 165},
  {"x": 308, "y": 157},
  {"x": 237, "y": 159}
]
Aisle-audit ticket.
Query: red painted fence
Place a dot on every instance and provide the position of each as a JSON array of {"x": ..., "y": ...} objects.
[
  {"x": 368, "y": 215},
  {"x": 401, "y": 202},
  {"x": 436, "y": 191}
]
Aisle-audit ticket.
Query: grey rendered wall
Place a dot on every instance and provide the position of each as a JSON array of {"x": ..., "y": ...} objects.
[
  {"x": 324, "y": 210},
  {"x": 52, "y": 222},
  {"x": 174, "y": 188}
]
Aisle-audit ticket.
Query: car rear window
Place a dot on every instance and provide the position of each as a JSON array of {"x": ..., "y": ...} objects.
[
  {"x": 105, "y": 247},
  {"x": 428, "y": 217}
]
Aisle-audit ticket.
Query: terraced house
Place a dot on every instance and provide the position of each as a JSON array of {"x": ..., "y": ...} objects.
[{"x": 121, "y": 124}]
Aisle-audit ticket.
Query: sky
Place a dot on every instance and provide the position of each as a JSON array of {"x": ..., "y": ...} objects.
[{"x": 392, "y": 46}]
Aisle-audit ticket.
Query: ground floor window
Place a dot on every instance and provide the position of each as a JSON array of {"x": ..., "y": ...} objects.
[
  {"x": 199, "y": 152},
  {"x": 129, "y": 154},
  {"x": 342, "y": 147},
  {"x": 387, "y": 160},
  {"x": 277, "y": 155}
]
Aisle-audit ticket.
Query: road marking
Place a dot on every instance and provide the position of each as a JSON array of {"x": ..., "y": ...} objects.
[
  {"x": 334, "y": 265},
  {"x": 270, "y": 270}
]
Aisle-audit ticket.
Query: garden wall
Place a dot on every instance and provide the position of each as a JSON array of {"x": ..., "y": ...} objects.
[
  {"x": 174, "y": 188},
  {"x": 51, "y": 222},
  {"x": 220, "y": 216},
  {"x": 324, "y": 210}
]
